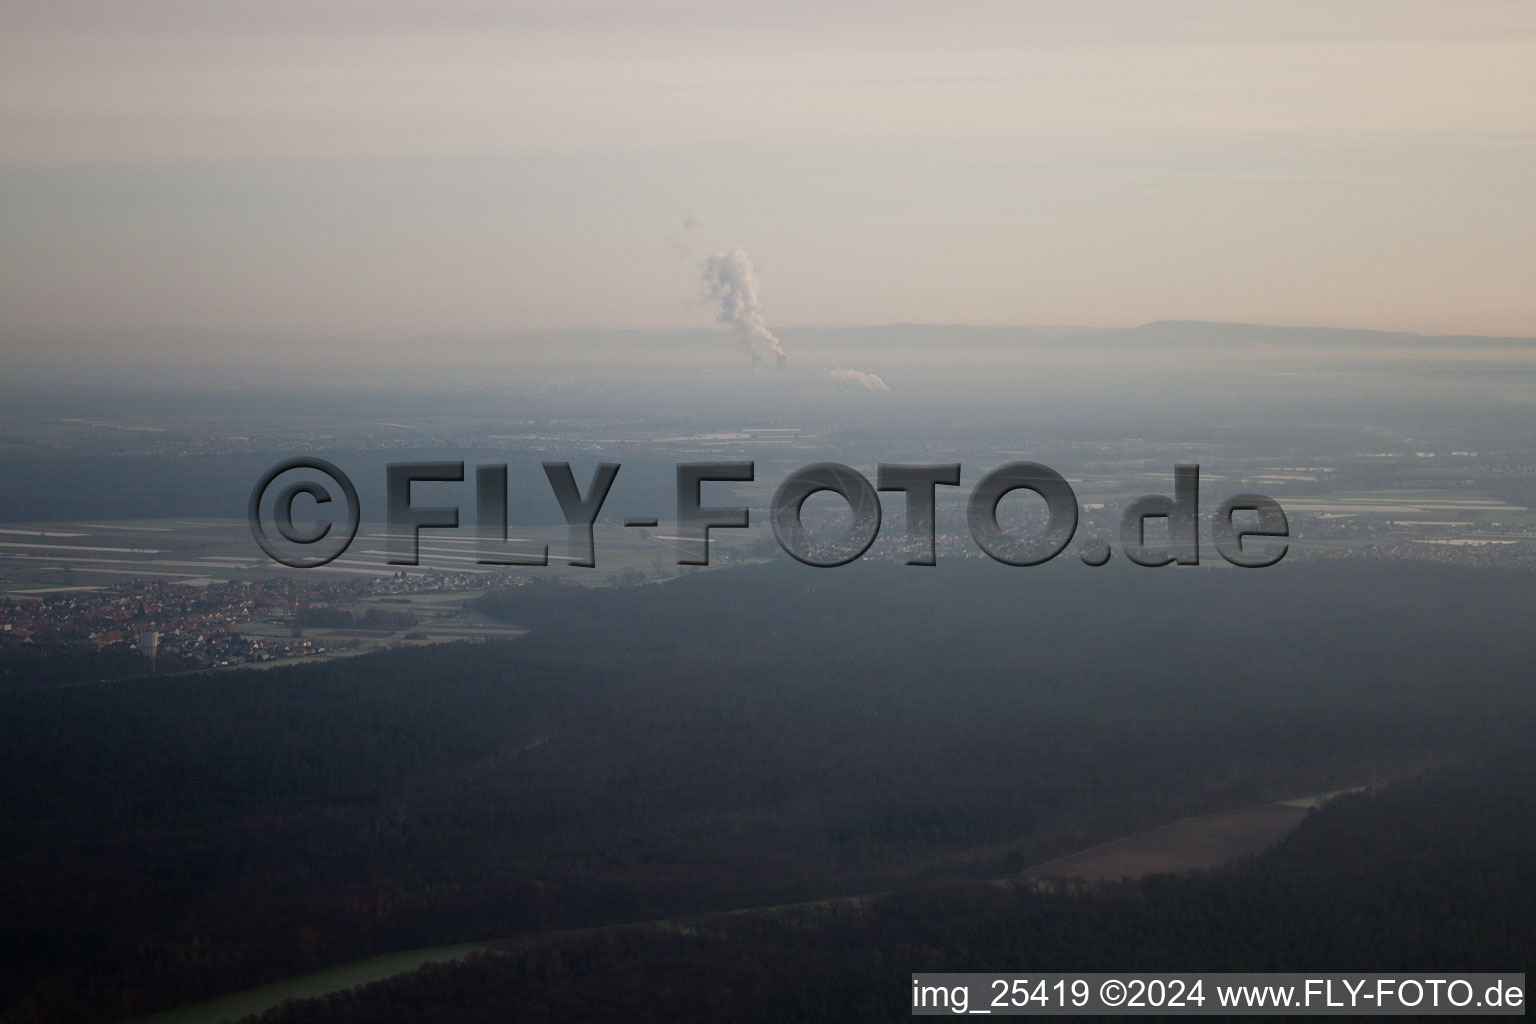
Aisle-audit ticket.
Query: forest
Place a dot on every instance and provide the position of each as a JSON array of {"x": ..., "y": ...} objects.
[
  {"x": 1433, "y": 874},
  {"x": 759, "y": 736}
]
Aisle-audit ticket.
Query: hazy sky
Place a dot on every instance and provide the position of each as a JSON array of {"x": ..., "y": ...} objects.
[{"x": 382, "y": 168}]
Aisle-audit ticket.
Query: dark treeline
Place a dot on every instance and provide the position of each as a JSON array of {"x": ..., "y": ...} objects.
[
  {"x": 58, "y": 665},
  {"x": 325, "y": 617},
  {"x": 1434, "y": 875},
  {"x": 737, "y": 738}
]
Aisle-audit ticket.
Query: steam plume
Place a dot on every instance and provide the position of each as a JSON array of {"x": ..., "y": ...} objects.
[
  {"x": 730, "y": 280},
  {"x": 862, "y": 379}
]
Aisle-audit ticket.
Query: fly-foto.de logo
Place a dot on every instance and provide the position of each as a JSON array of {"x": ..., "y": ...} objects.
[{"x": 1258, "y": 540}]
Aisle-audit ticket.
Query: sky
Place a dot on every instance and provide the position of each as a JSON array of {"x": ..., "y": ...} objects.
[{"x": 386, "y": 169}]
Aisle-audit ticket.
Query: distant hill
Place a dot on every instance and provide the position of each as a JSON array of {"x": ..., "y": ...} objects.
[{"x": 186, "y": 356}]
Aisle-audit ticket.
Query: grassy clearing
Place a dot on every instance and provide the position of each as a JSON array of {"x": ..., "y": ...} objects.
[{"x": 257, "y": 1001}]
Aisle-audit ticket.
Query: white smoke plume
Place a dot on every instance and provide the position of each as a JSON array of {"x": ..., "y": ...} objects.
[
  {"x": 862, "y": 379},
  {"x": 730, "y": 280}
]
